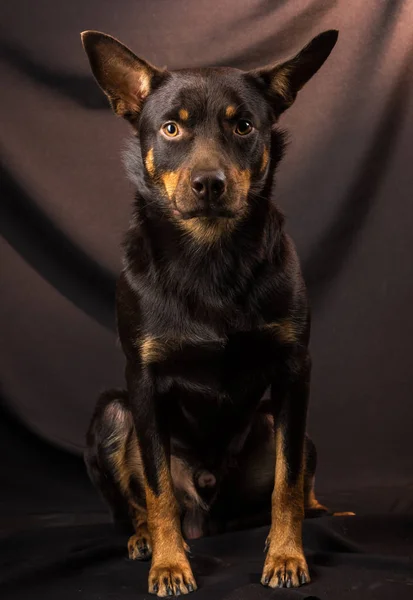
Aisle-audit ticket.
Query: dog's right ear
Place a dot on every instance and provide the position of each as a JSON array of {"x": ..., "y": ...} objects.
[{"x": 126, "y": 79}]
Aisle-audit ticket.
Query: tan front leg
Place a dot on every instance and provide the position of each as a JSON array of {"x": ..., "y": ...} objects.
[
  {"x": 285, "y": 564},
  {"x": 170, "y": 572}
]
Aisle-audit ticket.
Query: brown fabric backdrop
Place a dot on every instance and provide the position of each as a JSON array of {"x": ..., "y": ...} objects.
[{"x": 346, "y": 186}]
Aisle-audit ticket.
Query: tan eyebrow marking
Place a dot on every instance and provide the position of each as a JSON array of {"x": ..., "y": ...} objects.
[
  {"x": 183, "y": 114},
  {"x": 230, "y": 111}
]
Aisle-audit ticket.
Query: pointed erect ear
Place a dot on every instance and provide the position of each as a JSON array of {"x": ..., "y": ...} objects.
[
  {"x": 283, "y": 81},
  {"x": 126, "y": 79}
]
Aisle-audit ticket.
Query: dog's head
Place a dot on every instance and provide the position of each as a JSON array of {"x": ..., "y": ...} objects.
[{"x": 205, "y": 134}]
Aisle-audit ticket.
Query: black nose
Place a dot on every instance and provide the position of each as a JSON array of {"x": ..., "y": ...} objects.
[{"x": 208, "y": 185}]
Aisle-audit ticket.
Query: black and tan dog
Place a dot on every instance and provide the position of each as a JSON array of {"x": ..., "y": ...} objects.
[{"x": 212, "y": 311}]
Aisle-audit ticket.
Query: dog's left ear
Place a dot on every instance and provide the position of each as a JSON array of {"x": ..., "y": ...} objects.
[
  {"x": 126, "y": 79},
  {"x": 283, "y": 81}
]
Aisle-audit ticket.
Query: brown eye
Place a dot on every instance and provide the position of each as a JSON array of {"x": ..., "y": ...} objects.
[
  {"x": 170, "y": 129},
  {"x": 243, "y": 127}
]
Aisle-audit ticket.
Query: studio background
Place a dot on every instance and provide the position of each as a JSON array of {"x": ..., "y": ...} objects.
[{"x": 345, "y": 185}]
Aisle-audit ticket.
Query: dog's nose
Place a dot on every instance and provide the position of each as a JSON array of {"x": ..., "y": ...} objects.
[{"x": 208, "y": 185}]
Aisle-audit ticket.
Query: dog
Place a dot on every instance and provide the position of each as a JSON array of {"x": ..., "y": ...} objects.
[{"x": 212, "y": 314}]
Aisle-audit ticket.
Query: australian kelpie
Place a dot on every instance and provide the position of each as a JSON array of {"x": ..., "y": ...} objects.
[{"x": 212, "y": 313}]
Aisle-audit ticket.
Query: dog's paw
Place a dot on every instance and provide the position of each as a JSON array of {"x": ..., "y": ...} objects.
[
  {"x": 139, "y": 545},
  {"x": 171, "y": 579},
  {"x": 282, "y": 570}
]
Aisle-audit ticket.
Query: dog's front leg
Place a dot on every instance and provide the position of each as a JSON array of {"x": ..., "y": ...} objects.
[
  {"x": 170, "y": 572},
  {"x": 285, "y": 564}
]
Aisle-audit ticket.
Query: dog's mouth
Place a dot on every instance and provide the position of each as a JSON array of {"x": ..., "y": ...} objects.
[{"x": 210, "y": 213}]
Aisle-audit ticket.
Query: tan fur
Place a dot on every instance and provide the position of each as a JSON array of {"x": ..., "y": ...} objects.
[
  {"x": 126, "y": 81},
  {"x": 157, "y": 525},
  {"x": 144, "y": 77},
  {"x": 230, "y": 111},
  {"x": 284, "y": 542},
  {"x": 151, "y": 349},
  {"x": 183, "y": 114},
  {"x": 163, "y": 516},
  {"x": 310, "y": 500},
  {"x": 245, "y": 180},
  {"x": 141, "y": 537},
  {"x": 281, "y": 82},
  {"x": 170, "y": 181},
  {"x": 126, "y": 459},
  {"x": 154, "y": 349},
  {"x": 123, "y": 474},
  {"x": 285, "y": 329},
  {"x": 149, "y": 164},
  {"x": 264, "y": 160},
  {"x": 344, "y": 514},
  {"x": 207, "y": 232},
  {"x": 169, "y": 560},
  {"x": 118, "y": 458},
  {"x": 134, "y": 458}
]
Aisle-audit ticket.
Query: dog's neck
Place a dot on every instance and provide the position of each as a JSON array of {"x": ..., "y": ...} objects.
[{"x": 209, "y": 276}]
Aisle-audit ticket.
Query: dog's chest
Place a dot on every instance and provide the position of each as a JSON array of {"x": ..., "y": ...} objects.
[
  {"x": 214, "y": 389},
  {"x": 216, "y": 365}
]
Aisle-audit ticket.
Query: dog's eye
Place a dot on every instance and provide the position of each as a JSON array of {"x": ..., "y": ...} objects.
[
  {"x": 170, "y": 129},
  {"x": 243, "y": 127}
]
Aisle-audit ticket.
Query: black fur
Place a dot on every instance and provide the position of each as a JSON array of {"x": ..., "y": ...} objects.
[{"x": 208, "y": 325}]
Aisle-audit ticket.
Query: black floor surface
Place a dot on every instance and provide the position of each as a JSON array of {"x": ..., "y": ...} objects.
[{"x": 56, "y": 541}]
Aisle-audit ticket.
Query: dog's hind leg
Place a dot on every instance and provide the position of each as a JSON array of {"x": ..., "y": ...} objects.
[
  {"x": 139, "y": 544},
  {"x": 114, "y": 465},
  {"x": 313, "y": 508},
  {"x": 100, "y": 437}
]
